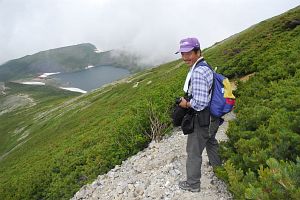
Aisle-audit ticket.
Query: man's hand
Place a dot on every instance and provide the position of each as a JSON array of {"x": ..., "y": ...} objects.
[{"x": 184, "y": 103}]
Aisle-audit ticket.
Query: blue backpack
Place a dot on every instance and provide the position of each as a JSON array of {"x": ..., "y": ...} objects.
[{"x": 222, "y": 99}]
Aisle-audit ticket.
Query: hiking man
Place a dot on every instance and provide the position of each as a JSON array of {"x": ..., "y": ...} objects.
[{"x": 197, "y": 86}]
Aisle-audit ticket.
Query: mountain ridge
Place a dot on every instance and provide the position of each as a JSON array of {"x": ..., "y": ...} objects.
[{"x": 67, "y": 59}]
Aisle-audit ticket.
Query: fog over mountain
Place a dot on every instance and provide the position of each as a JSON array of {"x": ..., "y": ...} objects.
[{"x": 150, "y": 28}]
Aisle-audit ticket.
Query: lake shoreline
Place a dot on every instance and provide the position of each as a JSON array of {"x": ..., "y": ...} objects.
[{"x": 82, "y": 81}]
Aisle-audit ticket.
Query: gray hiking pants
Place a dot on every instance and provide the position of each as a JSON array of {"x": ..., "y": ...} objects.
[{"x": 201, "y": 137}]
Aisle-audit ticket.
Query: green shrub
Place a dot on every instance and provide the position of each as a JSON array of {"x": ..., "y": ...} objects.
[{"x": 261, "y": 155}]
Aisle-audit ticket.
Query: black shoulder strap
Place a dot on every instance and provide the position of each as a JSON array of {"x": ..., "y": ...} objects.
[{"x": 187, "y": 96}]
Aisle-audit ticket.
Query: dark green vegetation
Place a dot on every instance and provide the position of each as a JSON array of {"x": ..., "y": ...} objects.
[
  {"x": 66, "y": 59},
  {"x": 72, "y": 140},
  {"x": 262, "y": 154}
]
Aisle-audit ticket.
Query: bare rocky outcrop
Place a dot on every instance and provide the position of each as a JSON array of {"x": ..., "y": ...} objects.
[
  {"x": 154, "y": 173},
  {"x": 2, "y": 88},
  {"x": 13, "y": 102},
  {"x": 292, "y": 24}
]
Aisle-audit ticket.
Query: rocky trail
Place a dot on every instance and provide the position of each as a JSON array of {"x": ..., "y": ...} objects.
[{"x": 154, "y": 173}]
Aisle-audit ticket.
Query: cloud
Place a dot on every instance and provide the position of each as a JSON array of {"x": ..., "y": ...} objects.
[{"x": 150, "y": 28}]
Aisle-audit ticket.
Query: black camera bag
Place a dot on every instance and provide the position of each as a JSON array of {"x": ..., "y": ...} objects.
[{"x": 178, "y": 114}]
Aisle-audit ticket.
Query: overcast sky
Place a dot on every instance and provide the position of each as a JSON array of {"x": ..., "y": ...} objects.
[{"x": 151, "y": 28}]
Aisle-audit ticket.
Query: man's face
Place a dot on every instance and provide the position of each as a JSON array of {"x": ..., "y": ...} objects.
[{"x": 190, "y": 57}]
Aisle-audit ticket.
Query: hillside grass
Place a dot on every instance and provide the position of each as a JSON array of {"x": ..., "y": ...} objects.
[
  {"x": 71, "y": 142},
  {"x": 13, "y": 124}
]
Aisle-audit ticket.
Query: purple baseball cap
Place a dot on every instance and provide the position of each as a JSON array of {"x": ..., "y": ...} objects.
[{"x": 188, "y": 44}]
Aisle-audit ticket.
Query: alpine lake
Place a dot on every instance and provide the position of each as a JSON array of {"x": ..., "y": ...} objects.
[{"x": 91, "y": 78}]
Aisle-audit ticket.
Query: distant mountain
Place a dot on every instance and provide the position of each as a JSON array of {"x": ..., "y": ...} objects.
[{"x": 66, "y": 59}]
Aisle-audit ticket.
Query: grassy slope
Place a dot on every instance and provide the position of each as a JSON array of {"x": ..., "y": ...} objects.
[
  {"x": 13, "y": 124},
  {"x": 74, "y": 141}
]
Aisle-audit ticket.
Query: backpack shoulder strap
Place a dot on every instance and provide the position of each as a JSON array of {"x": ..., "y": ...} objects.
[{"x": 204, "y": 63}]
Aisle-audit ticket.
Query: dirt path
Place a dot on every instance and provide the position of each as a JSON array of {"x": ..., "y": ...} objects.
[{"x": 154, "y": 174}]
